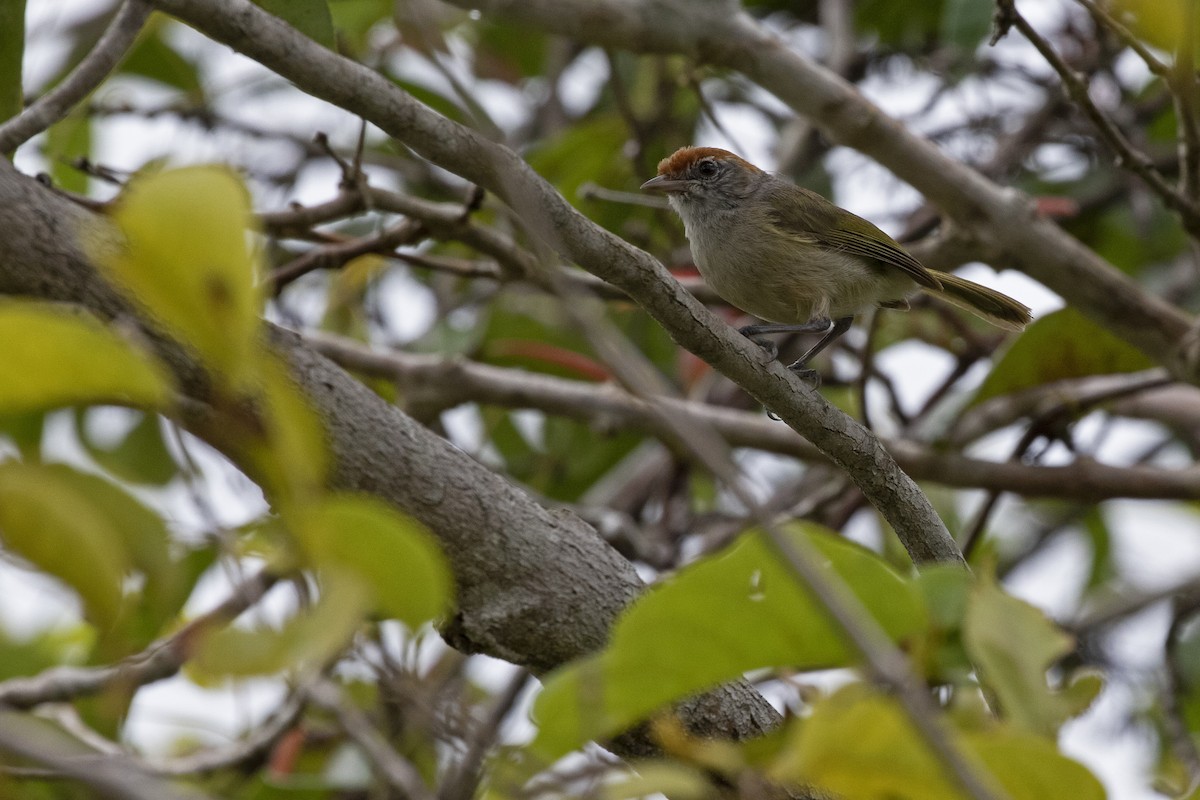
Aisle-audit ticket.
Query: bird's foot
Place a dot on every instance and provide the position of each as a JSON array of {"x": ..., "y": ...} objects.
[
  {"x": 769, "y": 348},
  {"x": 806, "y": 374}
]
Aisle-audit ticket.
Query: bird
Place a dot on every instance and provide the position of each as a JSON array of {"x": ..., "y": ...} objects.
[{"x": 792, "y": 258}]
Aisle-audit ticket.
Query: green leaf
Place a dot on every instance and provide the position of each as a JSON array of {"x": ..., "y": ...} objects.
[
  {"x": 12, "y": 50},
  {"x": 67, "y": 532},
  {"x": 390, "y": 554},
  {"x": 1030, "y": 767},
  {"x": 154, "y": 58},
  {"x": 965, "y": 23},
  {"x": 310, "y": 17},
  {"x": 68, "y": 140},
  {"x": 1064, "y": 344},
  {"x": 858, "y": 743},
  {"x": 290, "y": 456},
  {"x": 1017, "y": 674},
  {"x": 54, "y": 358},
  {"x": 188, "y": 260},
  {"x": 658, "y": 778},
  {"x": 307, "y": 642},
  {"x": 711, "y": 623},
  {"x": 141, "y": 456}
]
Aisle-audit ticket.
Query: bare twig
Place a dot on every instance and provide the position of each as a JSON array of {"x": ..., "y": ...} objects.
[
  {"x": 160, "y": 660},
  {"x": 87, "y": 75},
  {"x": 1128, "y": 156},
  {"x": 388, "y": 764},
  {"x": 446, "y": 383}
]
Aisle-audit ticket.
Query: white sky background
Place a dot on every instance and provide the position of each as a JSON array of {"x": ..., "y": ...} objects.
[{"x": 1157, "y": 543}]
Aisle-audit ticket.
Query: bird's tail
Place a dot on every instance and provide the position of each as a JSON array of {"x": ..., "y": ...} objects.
[{"x": 999, "y": 309}]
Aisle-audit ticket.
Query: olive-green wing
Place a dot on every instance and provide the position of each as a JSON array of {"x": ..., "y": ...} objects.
[{"x": 838, "y": 229}]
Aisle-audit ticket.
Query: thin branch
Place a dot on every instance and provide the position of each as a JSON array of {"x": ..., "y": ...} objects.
[
  {"x": 464, "y": 780},
  {"x": 881, "y": 658},
  {"x": 335, "y": 256},
  {"x": 397, "y": 772},
  {"x": 1183, "y": 85},
  {"x": 1127, "y": 155},
  {"x": 446, "y": 383},
  {"x": 1153, "y": 63},
  {"x": 91, "y": 71},
  {"x": 61, "y": 755},
  {"x": 253, "y": 747},
  {"x": 159, "y": 661}
]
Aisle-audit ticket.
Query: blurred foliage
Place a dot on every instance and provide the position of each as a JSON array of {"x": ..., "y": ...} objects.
[{"x": 367, "y": 581}]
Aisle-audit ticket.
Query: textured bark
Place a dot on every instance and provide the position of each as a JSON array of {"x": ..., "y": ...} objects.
[{"x": 536, "y": 587}]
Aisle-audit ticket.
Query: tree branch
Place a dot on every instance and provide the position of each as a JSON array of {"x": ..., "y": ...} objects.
[
  {"x": 546, "y": 214},
  {"x": 534, "y": 587},
  {"x": 438, "y": 383},
  {"x": 87, "y": 75},
  {"x": 1003, "y": 220}
]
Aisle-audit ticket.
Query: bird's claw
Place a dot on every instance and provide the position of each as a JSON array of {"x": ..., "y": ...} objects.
[
  {"x": 806, "y": 374},
  {"x": 770, "y": 349}
]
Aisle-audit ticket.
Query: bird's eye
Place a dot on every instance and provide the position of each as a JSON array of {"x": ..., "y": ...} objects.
[{"x": 707, "y": 169}]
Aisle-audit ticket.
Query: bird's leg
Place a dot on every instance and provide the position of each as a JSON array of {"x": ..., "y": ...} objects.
[
  {"x": 755, "y": 332},
  {"x": 800, "y": 365}
]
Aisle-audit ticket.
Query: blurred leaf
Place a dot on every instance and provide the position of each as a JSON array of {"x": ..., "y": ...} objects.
[
  {"x": 1132, "y": 239},
  {"x": 54, "y": 358},
  {"x": 24, "y": 430},
  {"x": 12, "y": 51},
  {"x": 49, "y": 519},
  {"x": 659, "y": 778},
  {"x": 68, "y": 140},
  {"x": 965, "y": 23},
  {"x": 292, "y": 457},
  {"x": 1064, "y": 344},
  {"x": 310, "y": 17},
  {"x": 153, "y": 57},
  {"x": 1017, "y": 674},
  {"x": 509, "y": 52},
  {"x": 1103, "y": 570},
  {"x": 901, "y": 24},
  {"x": 141, "y": 456},
  {"x": 858, "y": 743},
  {"x": 53, "y": 647},
  {"x": 165, "y": 582},
  {"x": 354, "y": 19},
  {"x": 590, "y": 151},
  {"x": 307, "y": 642},
  {"x": 946, "y": 589},
  {"x": 390, "y": 554},
  {"x": 1158, "y": 22},
  {"x": 187, "y": 259},
  {"x": 712, "y": 622},
  {"x": 1031, "y": 768}
]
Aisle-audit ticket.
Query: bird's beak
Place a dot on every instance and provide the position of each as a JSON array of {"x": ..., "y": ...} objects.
[{"x": 661, "y": 184}]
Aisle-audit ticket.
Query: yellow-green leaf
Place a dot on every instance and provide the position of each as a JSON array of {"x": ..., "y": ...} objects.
[
  {"x": 858, "y": 743},
  {"x": 390, "y": 554},
  {"x": 188, "y": 260},
  {"x": 308, "y": 641},
  {"x": 711, "y": 623},
  {"x": 47, "y": 519},
  {"x": 291, "y": 457},
  {"x": 1012, "y": 645},
  {"x": 53, "y": 358},
  {"x": 1061, "y": 345}
]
